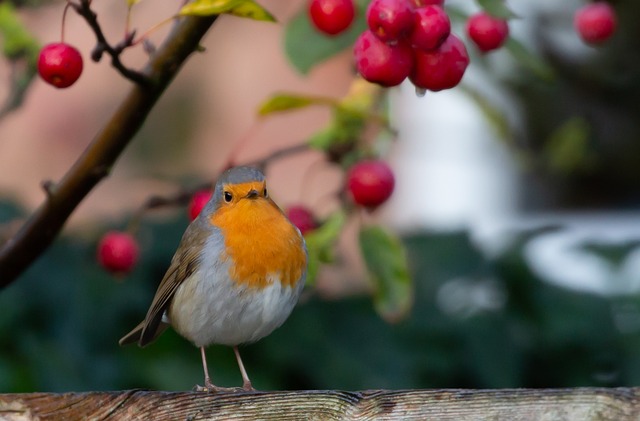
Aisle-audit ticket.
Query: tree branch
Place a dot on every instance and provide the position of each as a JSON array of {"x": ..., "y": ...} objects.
[
  {"x": 99, "y": 157},
  {"x": 585, "y": 404}
]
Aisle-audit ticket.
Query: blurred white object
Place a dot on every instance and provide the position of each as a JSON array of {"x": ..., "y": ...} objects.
[{"x": 452, "y": 170}]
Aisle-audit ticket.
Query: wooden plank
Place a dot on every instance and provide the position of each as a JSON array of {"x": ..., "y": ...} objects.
[{"x": 584, "y": 404}]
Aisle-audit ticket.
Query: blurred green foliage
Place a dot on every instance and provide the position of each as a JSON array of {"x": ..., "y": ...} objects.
[
  {"x": 581, "y": 128},
  {"x": 20, "y": 49},
  {"x": 60, "y": 323}
]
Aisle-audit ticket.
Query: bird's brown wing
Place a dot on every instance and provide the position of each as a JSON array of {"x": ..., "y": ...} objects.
[{"x": 183, "y": 264}]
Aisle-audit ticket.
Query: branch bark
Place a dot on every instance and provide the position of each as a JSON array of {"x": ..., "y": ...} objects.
[
  {"x": 94, "y": 164},
  {"x": 620, "y": 404}
]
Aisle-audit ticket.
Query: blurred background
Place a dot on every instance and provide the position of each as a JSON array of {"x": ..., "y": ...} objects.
[{"x": 517, "y": 200}]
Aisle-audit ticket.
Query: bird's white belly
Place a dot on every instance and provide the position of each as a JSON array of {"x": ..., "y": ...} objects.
[{"x": 208, "y": 307}]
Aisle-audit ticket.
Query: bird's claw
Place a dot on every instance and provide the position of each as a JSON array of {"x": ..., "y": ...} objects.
[{"x": 211, "y": 388}]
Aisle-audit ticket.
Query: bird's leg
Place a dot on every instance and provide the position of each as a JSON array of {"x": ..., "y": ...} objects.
[
  {"x": 208, "y": 385},
  {"x": 246, "y": 383}
]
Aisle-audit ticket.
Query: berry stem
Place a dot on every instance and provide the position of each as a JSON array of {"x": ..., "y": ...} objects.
[
  {"x": 154, "y": 28},
  {"x": 64, "y": 19}
]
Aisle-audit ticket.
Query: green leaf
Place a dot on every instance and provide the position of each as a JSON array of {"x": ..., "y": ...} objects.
[
  {"x": 386, "y": 262},
  {"x": 496, "y": 8},
  {"x": 343, "y": 130},
  {"x": 567, "y": 149},
  {"x": 323, "y": 139},
  {"x": 321, "y": 241},
  {"x": 306, "y": 47},
  {"x": 528, "y": 60},
  {"x": 242, "y": 8},
  {"x": 341, "y": 133},
  {"x": 287, "y": 102}
]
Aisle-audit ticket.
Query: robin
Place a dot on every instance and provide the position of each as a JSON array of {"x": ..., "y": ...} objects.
[{"x": 237, "y": 274}]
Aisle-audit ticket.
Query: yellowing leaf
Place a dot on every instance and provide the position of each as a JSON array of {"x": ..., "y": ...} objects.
[
  {"x": 243, "y": 8},
  {"x": 362, "y": 96},
  {"x": 208, "y": 7},
  {"x": 252, "y": 10},
  {"x": 286, "y": 102},
  {"x": 131, "y": 3}
]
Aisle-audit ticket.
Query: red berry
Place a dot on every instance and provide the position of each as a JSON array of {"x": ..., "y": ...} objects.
[
  {"x": 198, "y": 201},
  {"x": 59, "y": 64},
  {"x": 595, "y": 22},
  {"x": 118, "y": 252},
  {"x": 331, "y": 16},
  {"x": 442, "y": 68},
  {"x": 301, "y": 217},
  {"x": 422, "y": 3},
  {"x": 390, "y": 20},
  {"x": 370, "y": 182},
  {"x": 377, "y": 62},
  {"x": 430, "y": 28},
  {"x": 486, "y": 31}
]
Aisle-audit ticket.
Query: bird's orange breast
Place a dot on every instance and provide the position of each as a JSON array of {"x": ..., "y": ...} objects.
[{"x": 261, "y": 243}]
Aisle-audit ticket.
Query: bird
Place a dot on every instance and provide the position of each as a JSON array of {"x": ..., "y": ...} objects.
[{"x": 236, "y": 275}]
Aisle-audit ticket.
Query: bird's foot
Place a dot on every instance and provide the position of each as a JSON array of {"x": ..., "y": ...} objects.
[
  {"x": 211, "y": 388},
  {"x": 208, "y": 387}
]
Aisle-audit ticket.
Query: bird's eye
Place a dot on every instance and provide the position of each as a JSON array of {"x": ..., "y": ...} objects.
[
  {"x": 228, "y": 197},
  {"x": 264, "y": 192}
]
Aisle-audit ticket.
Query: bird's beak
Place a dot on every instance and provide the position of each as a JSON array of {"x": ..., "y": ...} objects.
[{"x": 253, "y": 194}]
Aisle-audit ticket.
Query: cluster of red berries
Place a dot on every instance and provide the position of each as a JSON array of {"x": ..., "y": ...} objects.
[{"x": 410, "y": 38}]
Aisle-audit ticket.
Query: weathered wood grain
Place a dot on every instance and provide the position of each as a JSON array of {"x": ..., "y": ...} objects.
[{"x": 584, "y": 404}]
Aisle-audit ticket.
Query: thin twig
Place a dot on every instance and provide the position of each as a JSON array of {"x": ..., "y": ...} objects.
[
  {"x": 280, "y": 153},
  {"x": 84, "y": 9},
  {"x": 180, "y": 198}
]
